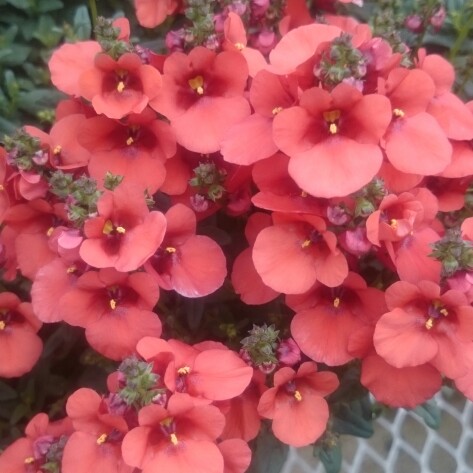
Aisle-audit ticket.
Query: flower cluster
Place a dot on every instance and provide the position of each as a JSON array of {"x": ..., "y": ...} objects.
[{"x": 337, "y": 176}]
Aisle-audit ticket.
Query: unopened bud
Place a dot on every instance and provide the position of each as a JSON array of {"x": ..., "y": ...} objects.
[{"x": 288, "y": 352}]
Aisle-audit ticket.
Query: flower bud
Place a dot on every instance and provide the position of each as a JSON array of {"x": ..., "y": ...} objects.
[{"x": 288, "y": 352}]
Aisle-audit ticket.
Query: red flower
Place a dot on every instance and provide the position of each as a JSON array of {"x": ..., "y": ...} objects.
[
  {"x": 296, "y": 404},
  {"x": 423, "y": 326},
  {"x": 176, "y": 439},
  {"x": 323, "y": 330},
  {"x": 151, "y": 13},
  {"x": 20, "y": 347},
  {"x": 202, "y": 96},
  {"x": 125, "y": 233},
  {"x": 297, "y": 251},
  {"x": 96, "y": 444},
  {"x": 115, "y": 309},
  {"x": 118, "y": 88},
  {"x": 326, "y": 135},
  {"x": 192, "y": 265}
]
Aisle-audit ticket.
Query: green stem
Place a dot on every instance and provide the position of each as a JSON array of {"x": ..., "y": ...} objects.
[
  {"x": 462, "y": 35},
  {"x": 93, "y": 11}
]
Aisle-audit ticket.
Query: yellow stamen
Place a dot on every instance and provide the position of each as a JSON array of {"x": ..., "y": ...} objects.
[
  {"x": 120, "y": 230},
  {"x": 336, "y": 302},
  {"x": 333, "y": 129},
  {"x": 184, "y": 370},
  {"x": 166, "y": 422},
  {"x": 2, "y": 325},
  {"x": 197, "y": 84},
  {"x": 50, "y": 231},
  {"x": 170, "y": 249},
  {"x": 173, "y": 438},
  {"x": 444, "y": 312},
  {"x": 29, "y": 460},
  {"x": 397, "y": 112},
  {"x": 57, "y": 149},
  {"x": 71, "y": 269},
  {"x": 331, "y": 116},
  {"x": 306, "y": 243},
  {"x": 130, "y": 141},
  {"x": 429, "y": 324},
  {"x": 393, "y": 223},
  {"x": 276, "y": 110},
  {"x": 107, "y": 228},
  {"x": 113, "y": 304},
  {"x": 239, "y": 46},
  {"x": 298, "y": 396},
  {"x": 121, "y": 86},
  {"x": 102, "y": 439}
]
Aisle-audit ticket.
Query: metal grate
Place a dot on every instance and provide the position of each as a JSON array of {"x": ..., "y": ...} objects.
[{"x": 402, "y": 443}]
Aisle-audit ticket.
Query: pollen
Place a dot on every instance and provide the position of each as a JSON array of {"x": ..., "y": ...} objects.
[
  {"x": 239, "y": 46},
  {"x": 120, "y": 86},
  {"x": 50, "y": 231},
  {"x": 276, "y": 110},
  {"x": 170, "y": 249},
  {"x": 306, "y": 243},
  {"x": 173, "y": 438},
  {"x": 393, "y": 223},
  {"x": 130, "y": 141},
  {"x": 397, "y": 112},
  {"x": 71, "y": 269},
  {"x": 120, "y": 230},
  {"x": 197, "y": 84},
  {"x": 107, "y": 228},
  {"x": 113, "y": 304},
  {"x": 102, "y": 439},
  {"x": 444, "y": 312},
  {"x": 2, "y": 325},
  {"x": 430, "y": 323},
  {"x": 297, "y": 396},
  {"x": 333, "y": 129},
  {"x": 29, "y": 460},
  {"x": 336, "y": 302},
  {"x": 57, "y": 149},
  {"x": 184, "y": 370}
]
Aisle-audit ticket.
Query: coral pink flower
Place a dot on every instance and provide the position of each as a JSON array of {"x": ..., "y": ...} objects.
[
  {"x": 193, "y": 265},
  {"x": 202, "y": 96},
  {"x": 410, "y": 92},
  {"x": 135, "y": 149},
  {"x": 41, "y": 447},
  {"x": 118, "y": 88},
  {"x": 173, "y": 438},
  {"x": 114, "y": 308},
  {"x": 297, "y": 251},
  {"x": 20, "y": 347},
  {"x": 323, "y": 331},
  {"x": 151, "y": 13},
  {"x": 236, "y": 455},
  {"x": 296, "y": 404},
  {"x": 215, "y": 374},
  {"x": 96, "y": 444},
  {"x": 429, "y": 326},
  {"x": 326, "y": 135},
  {"x": 245, "y": 279},
  {"x": 125, "y": 233}
]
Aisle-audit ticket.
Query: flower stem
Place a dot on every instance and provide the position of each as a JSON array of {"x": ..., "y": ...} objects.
[{"x": 93, "y": 11}]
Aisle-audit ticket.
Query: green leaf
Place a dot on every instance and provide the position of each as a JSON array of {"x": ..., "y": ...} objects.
[
  {"x": 17, "y": 55},
  {"x": 354, "y": 418},
  {"x": 7, "y": 392},
  {"x": 44, "y": 6},
  {"x": 430, "y": 412},
  {"x": 47, "y": 32},
  {"x": 38, "y": 99},
  {"x": 20, "y": 4},
  {"x": 269, "y": 454},
  {"x": 330, "y": 456},
  {"x": 82, "y": 23}
]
